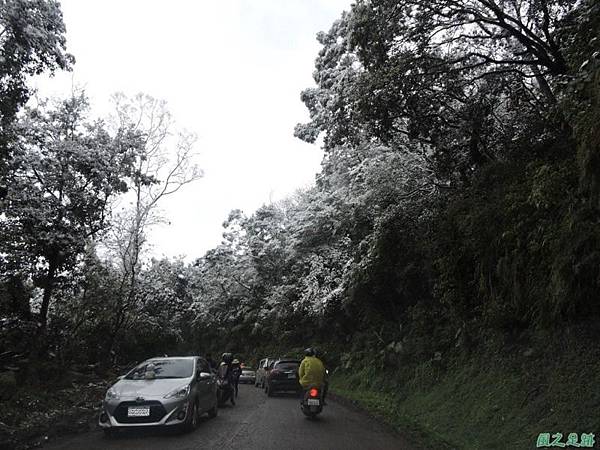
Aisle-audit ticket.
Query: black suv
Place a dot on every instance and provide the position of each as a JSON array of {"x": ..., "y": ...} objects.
[{"x": 283, "y": 376}]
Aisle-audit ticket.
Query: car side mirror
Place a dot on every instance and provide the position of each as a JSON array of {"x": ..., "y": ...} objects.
[{"x": 204, "y": 376}]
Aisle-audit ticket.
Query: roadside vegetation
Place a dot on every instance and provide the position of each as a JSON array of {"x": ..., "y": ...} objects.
[
  {"x": 446, "y": 262},
  {"x": 493, "y": 399}
]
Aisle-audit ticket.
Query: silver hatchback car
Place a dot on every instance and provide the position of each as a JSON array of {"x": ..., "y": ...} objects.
[{"x": 166, "y": 391}]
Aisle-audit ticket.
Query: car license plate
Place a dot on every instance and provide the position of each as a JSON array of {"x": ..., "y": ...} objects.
[
  {"x": 291, "y": 375},
  {"x": 138, "y": 412},
  {"x": 313, "y": 402}
]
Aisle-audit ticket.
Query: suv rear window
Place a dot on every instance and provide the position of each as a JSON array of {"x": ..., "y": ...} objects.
[{"x": 287, "y": 365}]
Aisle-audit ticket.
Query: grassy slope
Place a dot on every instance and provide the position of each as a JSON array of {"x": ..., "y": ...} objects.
[
  {"x": 34, "y": 414},
  {"x": 502, "y": 401}
]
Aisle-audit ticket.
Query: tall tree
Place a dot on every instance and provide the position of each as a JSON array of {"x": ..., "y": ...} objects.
[
  {"x": 32, "y": 40},
  {"x": 454, "y": 78},
  {"x": 62, "y": 176},
  {"x": 496, "y": 36},
  {"x": 164, "y": 164}
]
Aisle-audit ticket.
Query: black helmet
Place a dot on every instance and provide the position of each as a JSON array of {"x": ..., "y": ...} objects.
[
  {"x": 309, "y": 352},
  {"x": 227, "y": 357}
]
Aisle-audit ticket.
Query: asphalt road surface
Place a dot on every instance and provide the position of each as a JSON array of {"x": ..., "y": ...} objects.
[{"x": 256, "y": 422}]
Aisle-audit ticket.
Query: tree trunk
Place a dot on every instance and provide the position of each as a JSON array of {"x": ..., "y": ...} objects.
[
  {"x": 40, "y": 343},
  {"x": 48, "y": 289},
  {"x": 544, "y": 86}
]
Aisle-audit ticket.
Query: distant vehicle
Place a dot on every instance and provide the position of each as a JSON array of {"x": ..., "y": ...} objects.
[
  {"x": 248, "y": 375},
  {"x": 171, "y": 392},
  {"x": 264, "y": 366},
  {"x": 283, "y": 377}
]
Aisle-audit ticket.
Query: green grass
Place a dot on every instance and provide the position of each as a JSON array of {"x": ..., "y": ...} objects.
[
  {"x": 494, "y": 402},
  {"x": 385, "y": 407}
]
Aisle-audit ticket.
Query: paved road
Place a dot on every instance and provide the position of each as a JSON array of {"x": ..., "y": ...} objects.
[{"x": 256, "y": 422}]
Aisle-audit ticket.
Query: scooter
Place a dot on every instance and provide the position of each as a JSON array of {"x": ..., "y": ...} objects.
[
  {"x": 312, "y": 403},
  {"x": 224, "y": 392}
]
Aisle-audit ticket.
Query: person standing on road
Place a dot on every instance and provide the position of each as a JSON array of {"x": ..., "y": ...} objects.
[
  {"x": 236, "y": 372},
  {"x": 312, "y": 371},
  {"x": 225, "y": 373}
]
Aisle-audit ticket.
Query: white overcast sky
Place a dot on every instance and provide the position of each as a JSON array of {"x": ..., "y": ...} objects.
[{"x": 231, "y": 71}]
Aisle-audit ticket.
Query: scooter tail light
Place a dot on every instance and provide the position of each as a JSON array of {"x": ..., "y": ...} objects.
[{"x": 313, "y": 392}]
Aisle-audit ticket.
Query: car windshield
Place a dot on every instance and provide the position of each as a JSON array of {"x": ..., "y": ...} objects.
[
  {"x": 161, "y": 369},
  {"x": 287, "y": 365}
]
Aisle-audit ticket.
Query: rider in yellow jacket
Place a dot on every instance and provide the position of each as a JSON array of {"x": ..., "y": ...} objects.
[{"x": 312, "y": 371}]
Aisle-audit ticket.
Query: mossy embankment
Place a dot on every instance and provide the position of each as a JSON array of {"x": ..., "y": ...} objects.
[{"x": 497, "y": 399}]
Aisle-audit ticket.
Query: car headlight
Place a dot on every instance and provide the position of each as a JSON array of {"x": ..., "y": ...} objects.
[
  {"x": 111, "y": 394},
  {"x": 180, "y": 392}
]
